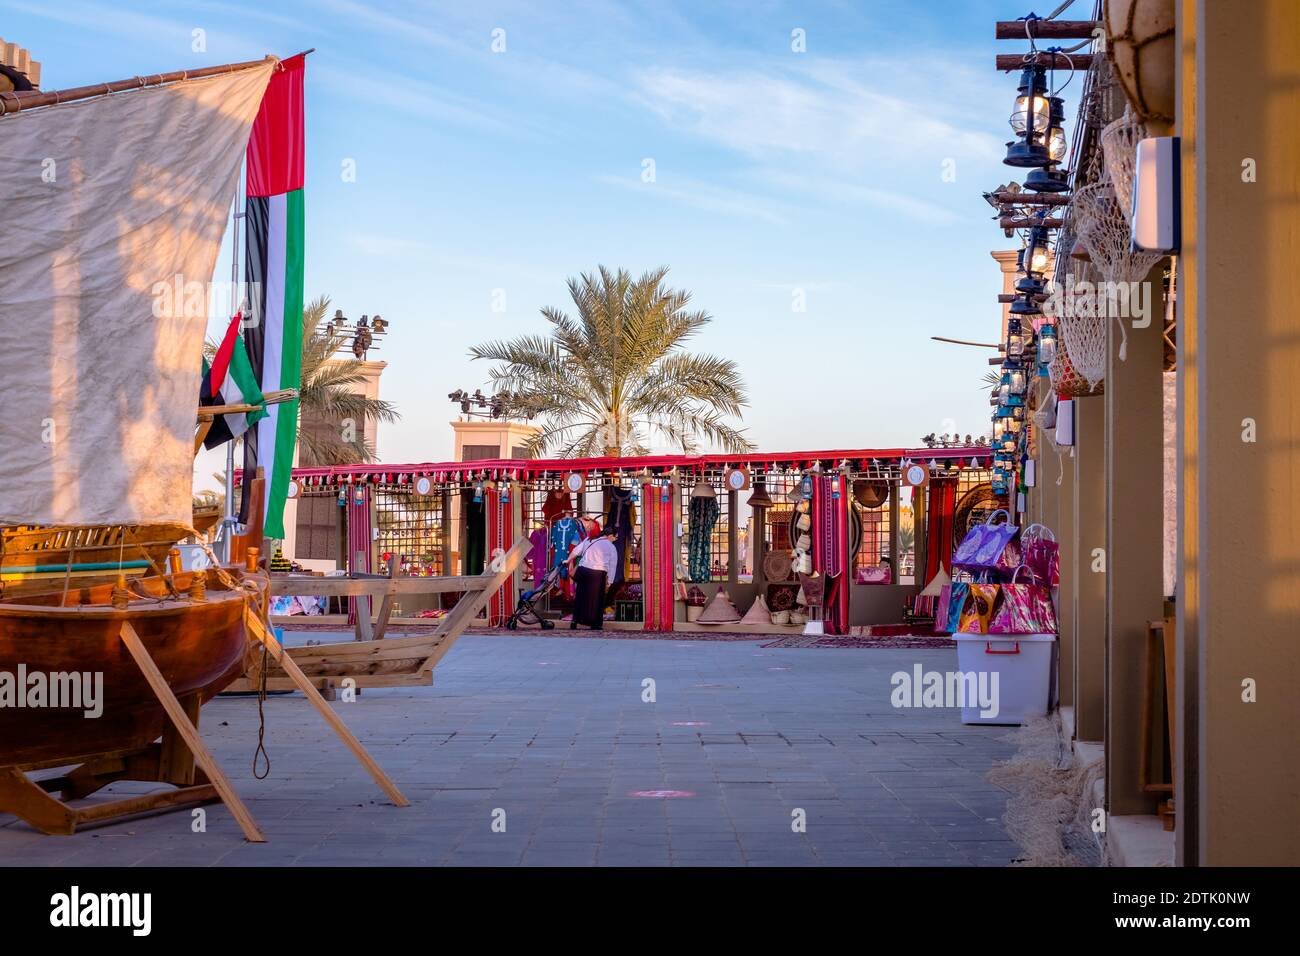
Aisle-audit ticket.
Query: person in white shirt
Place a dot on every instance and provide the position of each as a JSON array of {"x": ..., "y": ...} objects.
[{"x": 596, "y": 559}]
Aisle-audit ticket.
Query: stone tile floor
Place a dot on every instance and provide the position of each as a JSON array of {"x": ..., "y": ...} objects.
[{"x": 551, "y": 736}]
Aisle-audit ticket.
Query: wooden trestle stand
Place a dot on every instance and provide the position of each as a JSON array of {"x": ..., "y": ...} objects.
[{"x": 180, "y": 758}]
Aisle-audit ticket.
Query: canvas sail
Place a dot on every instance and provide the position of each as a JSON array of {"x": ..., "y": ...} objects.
[{"x": 111, "y": 205}]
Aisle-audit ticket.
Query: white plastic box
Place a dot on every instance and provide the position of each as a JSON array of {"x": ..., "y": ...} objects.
[{"x": 1023, "y": 665}]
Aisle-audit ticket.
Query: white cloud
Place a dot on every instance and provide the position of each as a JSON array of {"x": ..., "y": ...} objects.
[{"x": 701, "y": 196}]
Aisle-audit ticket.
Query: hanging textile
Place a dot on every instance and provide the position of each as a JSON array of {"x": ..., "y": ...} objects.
[
  {"x": 565, "y": 536},
  {"x": 940, "y": 504},
  {"x": 557, "y": 503},
  {"x": 475, "y": 534},
  {"x": 702, "y": 515},
  {"x": 538, "y": 555},
  {"x": 830, "y": 545},
  {"x": 657, "y": 556},
  {"x": 620, "y": 515},
  {"x": 500, "y": 538},
  {"x": 359, "y": 540}
]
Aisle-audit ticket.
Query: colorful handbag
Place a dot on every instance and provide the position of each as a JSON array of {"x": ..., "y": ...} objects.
[
  {"x": 1041, "y": 554},
  {"x": 1024, "y": 608},
  {"x": 958, "y": 592},
  {"x": 978, "y": 609},
  {"x": 986, "y": 551}
]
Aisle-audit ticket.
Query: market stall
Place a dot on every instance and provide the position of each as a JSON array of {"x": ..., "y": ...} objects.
[{"x": 835, "y": 540}]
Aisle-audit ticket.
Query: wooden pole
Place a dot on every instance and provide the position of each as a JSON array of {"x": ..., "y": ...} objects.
[
  {"x": 1016, "y": 61},
  {"x": 15, "y": 102},
  {"x": 189, "y": 733},
  {"x": 1028, "y": 222},
  {"x": 1032, "y": 199},
  {"x": 1045, "y": 29}
]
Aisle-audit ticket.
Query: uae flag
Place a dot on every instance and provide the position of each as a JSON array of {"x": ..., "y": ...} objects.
[
  {"x": 229, "y": 380},
  {"x": 274, "y": 256}
]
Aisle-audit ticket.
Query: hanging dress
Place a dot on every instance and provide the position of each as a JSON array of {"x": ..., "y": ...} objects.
[{"x": 703, "y": 515}]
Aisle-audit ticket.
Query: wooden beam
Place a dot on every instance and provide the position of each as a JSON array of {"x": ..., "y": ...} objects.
[
  {"x": 1016, "y": 61},
  {"x": 1028, "y": 222},
  {"x": 304, "y": 585},
  {"x": 1045, "y": 29},
  {"x": 1032, "y": 199},
  {"x": 260, "y": 633},
  {"x": 190, "y": 734}
]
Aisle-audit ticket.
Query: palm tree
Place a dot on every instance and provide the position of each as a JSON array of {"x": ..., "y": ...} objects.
[
  {"x": 326, "y": 399},
  {"x": 604, "y": 381}
]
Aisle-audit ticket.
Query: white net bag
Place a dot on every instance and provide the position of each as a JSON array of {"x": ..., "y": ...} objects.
[
  {"x": 1119, "y": 149},
  {"x": 1103, "y": 231},
  {"x": 1082, "y": 331}
]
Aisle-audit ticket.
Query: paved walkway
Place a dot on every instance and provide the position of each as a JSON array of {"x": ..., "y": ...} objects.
[{"x": 551, "y": 736}]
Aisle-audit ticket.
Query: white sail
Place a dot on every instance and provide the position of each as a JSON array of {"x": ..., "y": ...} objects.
[{"x": 106, "y": 202}]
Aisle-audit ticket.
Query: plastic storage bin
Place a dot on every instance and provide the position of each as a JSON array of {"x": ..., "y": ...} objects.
[{"x": 1023, "y": 665}]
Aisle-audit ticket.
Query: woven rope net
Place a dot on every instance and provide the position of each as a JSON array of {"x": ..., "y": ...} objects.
[
  {"x": 1050, "y": 809},
  {"x": 1119, "y": 152},
  {"x": 1081, "y": 360},
  {"x": 1103, "y": 230}
]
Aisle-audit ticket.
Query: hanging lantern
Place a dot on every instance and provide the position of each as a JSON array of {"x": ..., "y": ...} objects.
[
  {"x": 1029, "y": 120},
  {"x": 1046, "y": 348},
  {"x": 1049, "y": 178},
  {"x": 1033, "y": 260}
]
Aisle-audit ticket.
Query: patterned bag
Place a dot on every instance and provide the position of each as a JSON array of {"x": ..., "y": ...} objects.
[
  {"x": 1024, "y": 608},
  {"x": 978, "y": 609},
  {"x": 958, "y": 592},
  {"x": 986, "y": 552},
  {"x": 1041, "y": 554}
]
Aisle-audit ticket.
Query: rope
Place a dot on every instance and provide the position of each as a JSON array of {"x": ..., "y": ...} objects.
[{"x": 261, "y": 722}]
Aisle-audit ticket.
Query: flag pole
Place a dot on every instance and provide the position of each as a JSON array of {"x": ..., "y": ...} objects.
[{"x": 229, "y": 523}]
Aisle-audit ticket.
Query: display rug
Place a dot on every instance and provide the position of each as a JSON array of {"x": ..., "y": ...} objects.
[
  {"x": 892, "y": 641},
  {"x": 657, "y": 555}
]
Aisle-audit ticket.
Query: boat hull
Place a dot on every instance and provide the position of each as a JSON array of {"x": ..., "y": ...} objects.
[{"x": 197, "y": 645}]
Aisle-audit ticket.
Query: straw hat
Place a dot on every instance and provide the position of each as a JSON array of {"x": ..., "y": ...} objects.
[
  {"x": 720, "y": 610},
  {"x": 758, "y": 612}
]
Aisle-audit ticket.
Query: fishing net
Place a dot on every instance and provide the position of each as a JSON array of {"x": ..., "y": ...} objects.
[
  {"x": 1119, "y": 150},
  {"x": 1080, "y": 363},
  {"x": 1103, "y": 230},
  {"x": 1050, "y": 810}
]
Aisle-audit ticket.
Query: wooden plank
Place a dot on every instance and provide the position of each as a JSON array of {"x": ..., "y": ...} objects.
[
  {"x": 26, "y": 800},
  {"x": 304, "y": 684},
  {"x": 454, "y": 624},
  {"x": 305, "y": 585},
  {"x": 1045, "y": 29},
  {"x": 176, "y": 761},
  {"x": 189, "y": 732},
  {"x": 161, "y": 800},
  {"x": 1016, "y": 61},
  {"x": 386, "y": 606}
]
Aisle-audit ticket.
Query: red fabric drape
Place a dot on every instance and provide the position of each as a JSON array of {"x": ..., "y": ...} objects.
[
  {"x": 830, "y": 509},
  {"x": 940, "y": 504},
  {"x": 275, "y": 144},
  {"x": 359, "y": 538},
  {"x": 500, "y": 538},
  {"x": 657, "y": 556}
]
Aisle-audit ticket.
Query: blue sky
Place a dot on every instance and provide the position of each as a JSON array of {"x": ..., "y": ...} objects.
[{"x": 775, "y": 172}]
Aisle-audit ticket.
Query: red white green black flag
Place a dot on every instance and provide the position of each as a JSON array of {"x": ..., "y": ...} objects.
[{"x": 274, "y": 272}]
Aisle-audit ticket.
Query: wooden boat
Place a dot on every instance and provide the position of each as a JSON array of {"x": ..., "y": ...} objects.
[
  {"x": 198, "y": 645},
  {"x": 34, "y": 560}
]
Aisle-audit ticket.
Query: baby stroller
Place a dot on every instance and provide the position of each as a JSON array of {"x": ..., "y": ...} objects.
[{"x": 525, "y": 612}]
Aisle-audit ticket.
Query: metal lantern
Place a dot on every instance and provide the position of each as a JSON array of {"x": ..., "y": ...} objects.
[
  {"x": 1015, "y": 340},
  {"x": 1050, "y": 178},
  {"x": 1029, "y": 121},
  {"x": 1046, "y": 346}
]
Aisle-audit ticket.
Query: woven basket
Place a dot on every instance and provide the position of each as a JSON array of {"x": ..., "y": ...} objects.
[{"x": 1068, "y": 383}]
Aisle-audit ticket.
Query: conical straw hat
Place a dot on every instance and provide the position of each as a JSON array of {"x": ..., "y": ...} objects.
[
  {"x": 758, "y": 612},
  {"x": 720, "y": 610}
]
